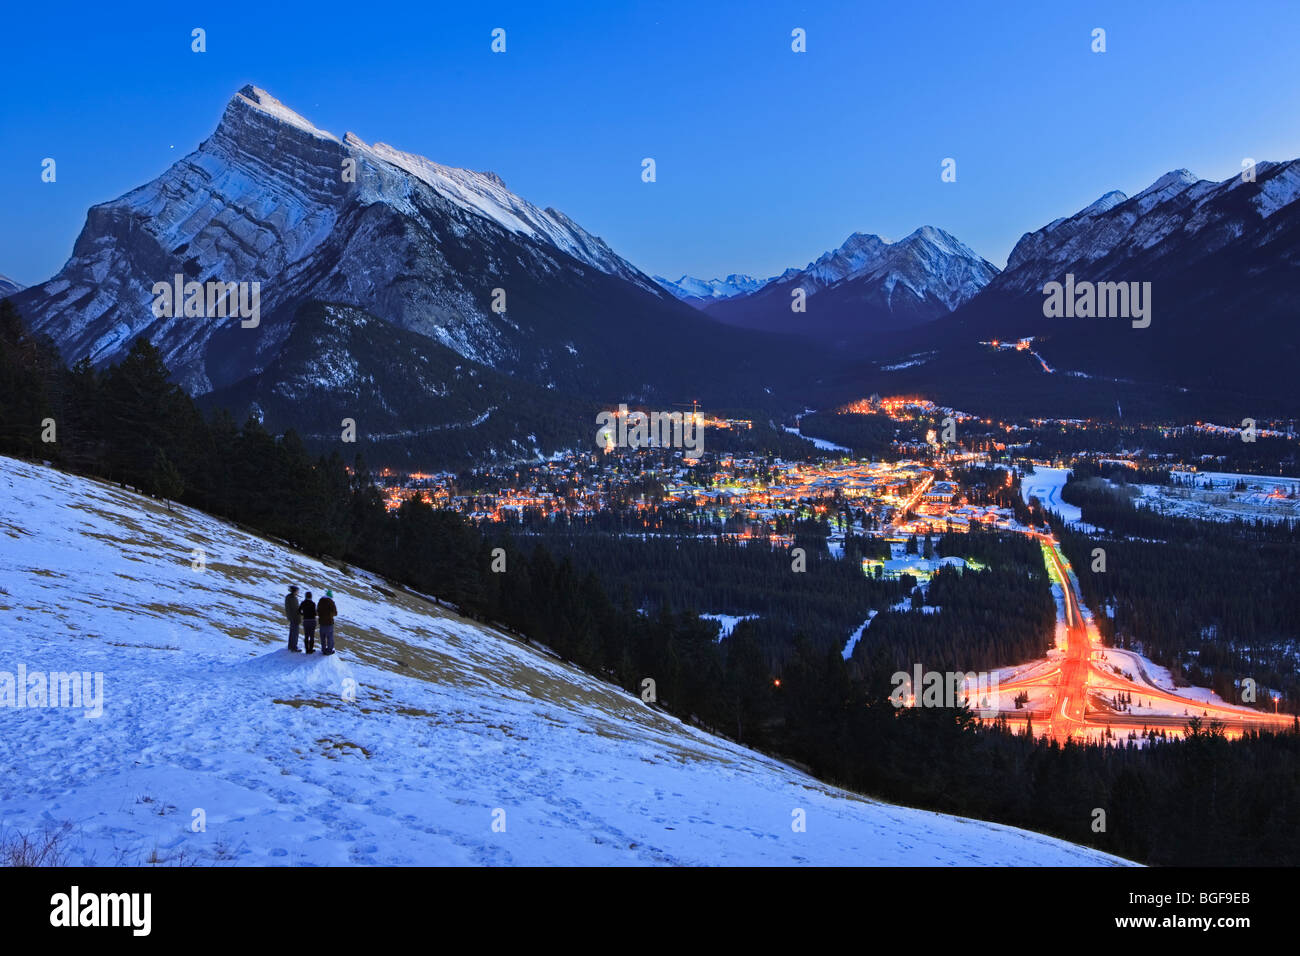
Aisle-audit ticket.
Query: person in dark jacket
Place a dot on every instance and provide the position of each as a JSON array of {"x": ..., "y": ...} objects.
[
  {"x": 308, "y": 611},
  {"x": 327, "y": 611},
  {"x": 291, "y": 614}
]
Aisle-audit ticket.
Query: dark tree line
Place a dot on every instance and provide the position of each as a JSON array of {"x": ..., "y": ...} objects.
[
  {"x": 996, "y": 617},
  {"x": 1264, "y": 456}
]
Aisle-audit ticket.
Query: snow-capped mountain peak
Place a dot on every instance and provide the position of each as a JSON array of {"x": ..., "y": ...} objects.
[
  {"x": 699, "y": 291},
  {"x": 1163, "y": 189},
  {"x": 864, "y": 254},
  {"x": 928, "y": 261},
  {"x": 1174, "y": 181},
  {"x": 486, "y": 194},
  {"x": 483, "y": 193},
  {"x": 1279, "y": 186},
  {"x": 272, "y": 199},
  {"x": 933, "y": 263},
  {"x": 1106, "y": 203},
  {"x": 943, "y": 243},
  {"x": 254, "y": 97},
  {"x": 858, "y": 253}
]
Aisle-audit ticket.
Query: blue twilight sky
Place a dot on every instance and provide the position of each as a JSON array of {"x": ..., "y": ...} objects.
[{"x": 765, "y": 157}]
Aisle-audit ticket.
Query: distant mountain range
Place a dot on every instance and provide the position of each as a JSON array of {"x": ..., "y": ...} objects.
[
  {"x": 866, "y": 286},
  {"x": 429, "y": 294},
  {"x": 8, "y": 285}
]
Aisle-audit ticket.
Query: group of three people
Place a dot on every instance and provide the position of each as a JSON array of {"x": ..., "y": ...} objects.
[{"x": 307, "y": 613}]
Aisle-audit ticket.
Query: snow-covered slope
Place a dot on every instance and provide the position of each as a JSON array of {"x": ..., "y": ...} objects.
[
  {"x": 8, "y": 285},
  {"x": 406, "y": 747}
]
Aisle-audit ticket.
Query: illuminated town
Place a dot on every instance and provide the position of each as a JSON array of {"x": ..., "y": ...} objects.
[{"x": 924, "y": 490}]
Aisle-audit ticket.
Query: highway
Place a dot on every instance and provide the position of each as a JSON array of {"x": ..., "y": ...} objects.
[
  {"x": 901, "y": 516},
  {"x": 1078, "y": 684}
]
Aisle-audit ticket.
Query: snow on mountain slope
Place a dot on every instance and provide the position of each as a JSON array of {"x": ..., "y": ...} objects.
[
  {"x": 858, "y": 253},
  {"x": 1211, "y": 256},
  {"x": 487, "y": 195},
  {"x": 1178, "y": 216},
  {"x": 931, "y": 262},
  {"x": 8, "y": 285},
  {"x": 928, "y": 261},
  {"x": 698, "y": 291},
  {"x": 289, "y": 761},
  {"x": 1278, "y": 190}
]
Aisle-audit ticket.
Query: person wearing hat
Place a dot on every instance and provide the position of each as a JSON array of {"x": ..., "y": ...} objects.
[
  {"x": 291, "y": 612},
  {"x": 327, "y": 611},
  {"x": 308, "y": 611}
]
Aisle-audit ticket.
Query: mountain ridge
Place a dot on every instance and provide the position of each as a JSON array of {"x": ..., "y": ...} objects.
[
  {"x": 866, "y": 285},
  {"x": 699, "y": 292},
  {"x": 448, "y": 254}
]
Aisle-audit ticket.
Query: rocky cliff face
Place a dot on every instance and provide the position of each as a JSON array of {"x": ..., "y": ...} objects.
[{"x": 866, "y": 286}]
